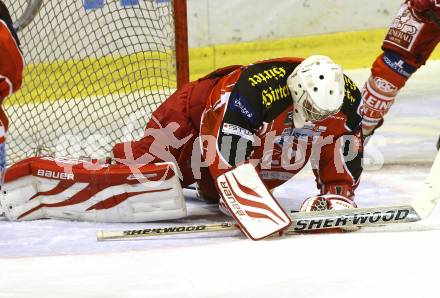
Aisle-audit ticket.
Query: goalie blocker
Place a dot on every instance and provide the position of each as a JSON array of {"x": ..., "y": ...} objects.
[
  {"x": 46, "y": 187},
  {"x": 257, "y": 213}
]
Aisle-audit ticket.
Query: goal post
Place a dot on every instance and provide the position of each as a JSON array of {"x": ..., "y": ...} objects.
[
  {"x": 95, "y": 70},
  {"x": 181, "y": 42}
]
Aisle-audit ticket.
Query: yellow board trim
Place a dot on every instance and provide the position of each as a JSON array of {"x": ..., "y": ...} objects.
[
  {"x": 350, "y": 49},
  {"x": 97, "y": 77}
]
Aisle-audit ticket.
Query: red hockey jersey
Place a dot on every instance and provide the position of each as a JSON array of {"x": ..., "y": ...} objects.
[{"x": 11, "y": 60}]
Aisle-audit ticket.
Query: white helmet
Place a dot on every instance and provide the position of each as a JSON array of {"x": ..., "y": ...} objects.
[{"x": 317, "y": 88}]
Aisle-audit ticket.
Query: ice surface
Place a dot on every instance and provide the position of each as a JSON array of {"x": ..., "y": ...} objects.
[{"x": 63, "y": 259}]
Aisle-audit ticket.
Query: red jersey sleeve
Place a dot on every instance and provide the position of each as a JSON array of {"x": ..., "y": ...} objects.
[
  {"x": 11, "y": 62},
  {"x": 338, "y": 163},
  {"x": 340, "y": 166}
]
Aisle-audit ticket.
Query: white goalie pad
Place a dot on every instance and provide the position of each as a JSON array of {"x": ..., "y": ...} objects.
[
  {"x": 251, "y": 204},
  {"x": 41, "y": 188}
]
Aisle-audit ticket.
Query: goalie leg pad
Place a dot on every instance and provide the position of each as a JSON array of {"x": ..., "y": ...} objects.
[{"x": 44, "y": 187}]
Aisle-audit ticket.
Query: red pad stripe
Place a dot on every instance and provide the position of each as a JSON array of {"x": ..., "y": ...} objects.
[
  {"x": 250, "y": 203},
  {"x": 246, "y": 189},
  {"x": 117, "y": 199},
  {"x": 59, "y": 188},
  {"x": 80, "y": 197},
  {"x": 259, "y": 215}
]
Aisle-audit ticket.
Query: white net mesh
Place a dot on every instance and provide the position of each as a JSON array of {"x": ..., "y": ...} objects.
[{"x": 92, "y": 76}]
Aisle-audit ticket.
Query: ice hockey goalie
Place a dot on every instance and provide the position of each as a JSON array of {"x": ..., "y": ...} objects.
[{"x": 237, "y": 133}]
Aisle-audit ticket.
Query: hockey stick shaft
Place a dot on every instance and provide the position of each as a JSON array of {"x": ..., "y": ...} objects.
[{"x": 171, "y": 230}]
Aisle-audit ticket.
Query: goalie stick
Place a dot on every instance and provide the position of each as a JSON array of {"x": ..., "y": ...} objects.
[
  {"x": 419, "y": 209},
  {"x": 301, "y": 222}
]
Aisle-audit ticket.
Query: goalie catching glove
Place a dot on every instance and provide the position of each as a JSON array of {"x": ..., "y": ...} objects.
[
  {"x": 61, "y": 188},
  {"x": 329, "y": 202}
]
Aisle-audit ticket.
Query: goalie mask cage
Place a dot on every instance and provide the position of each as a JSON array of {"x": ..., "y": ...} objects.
[{"x": 95, "y": 70}]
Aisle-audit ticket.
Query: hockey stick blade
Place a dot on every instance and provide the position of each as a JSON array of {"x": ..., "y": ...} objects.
[{"x": 419, "y": 209}]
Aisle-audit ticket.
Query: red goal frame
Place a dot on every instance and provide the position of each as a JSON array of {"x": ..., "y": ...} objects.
[{"x": 181, "y": 41}]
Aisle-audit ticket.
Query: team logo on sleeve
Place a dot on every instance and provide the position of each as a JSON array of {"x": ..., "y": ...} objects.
[
  {"x": 397, "y": 64},
  {"x": 238, "y": 131},
  {"x": 239, "y": 104},
  {"x": 404, "y": 30}
]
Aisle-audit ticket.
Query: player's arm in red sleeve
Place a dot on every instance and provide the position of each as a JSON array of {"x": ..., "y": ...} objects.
[
  {"x": 11, "y": 62},
  {"x": 337, "y": 160},
  {"x": 409, "y": 42},
  {"x": 337, "y": 174},
  {"x": 11, "y": 74},
  {"x": 340, "y": 163},
  {"x": 337, "y": 167},
  {"x": 340, "y": 166}
]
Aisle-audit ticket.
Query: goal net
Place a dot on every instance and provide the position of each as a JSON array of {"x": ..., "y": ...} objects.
[{"x": 95, "y": 70}]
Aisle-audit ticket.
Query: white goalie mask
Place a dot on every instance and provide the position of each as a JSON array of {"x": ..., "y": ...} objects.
[{"x": 317, "y": 88}]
